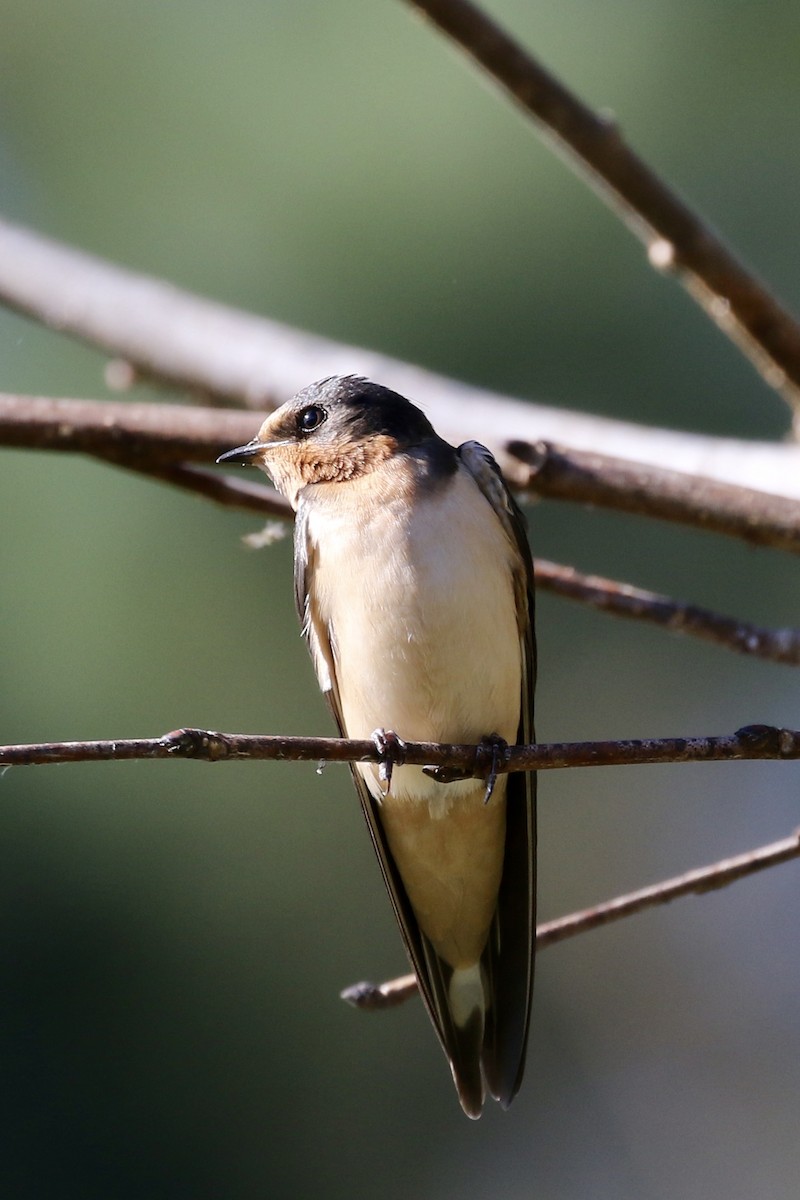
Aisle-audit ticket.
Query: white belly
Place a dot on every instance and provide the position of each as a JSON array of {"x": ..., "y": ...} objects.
[{"x": 419, "y": 601}]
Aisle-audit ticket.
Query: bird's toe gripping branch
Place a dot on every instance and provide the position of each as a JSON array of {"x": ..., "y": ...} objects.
[
  {"x": 392, "y": 750},
  {"x": 490, "y": 755},
  {"x": 494, "y": 749}
]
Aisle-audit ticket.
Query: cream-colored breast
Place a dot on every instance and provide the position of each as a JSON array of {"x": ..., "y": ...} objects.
[{"x": 416, "y": 591}]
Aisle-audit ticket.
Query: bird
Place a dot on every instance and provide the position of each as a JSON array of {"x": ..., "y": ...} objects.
[{"x": 414, "y": 589}]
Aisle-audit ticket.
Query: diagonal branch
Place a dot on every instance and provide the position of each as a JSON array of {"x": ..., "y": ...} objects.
[
  {"x": 192, "y": 343},
  {"x": 230, "y": 493},
  {"x": 597, "y": 479},
  {"x": 750, "y": 742},
  {"x": 677, "y": 239},
  {"x": 623, "y": 600},
  {"x": 372, "y": 996}
]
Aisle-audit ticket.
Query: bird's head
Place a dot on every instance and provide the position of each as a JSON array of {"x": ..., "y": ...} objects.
[{"x": 332, "y": 432}]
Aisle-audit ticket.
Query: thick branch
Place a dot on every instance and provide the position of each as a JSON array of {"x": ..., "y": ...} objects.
[
  {"x": 190, "y": 342},
  {"x": 141, "y": 435},
  {"x": 677, "y": 239},
  {"x": 154, "y": 440},
  {"x": 150, "y": 434},
  {"x": 374, "y": 996},
  {"x": 606, "y": 482},
  {"x": 750, "y": 742}
]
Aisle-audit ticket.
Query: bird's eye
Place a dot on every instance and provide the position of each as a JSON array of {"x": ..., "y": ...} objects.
[{"x": 310, "y": 419}]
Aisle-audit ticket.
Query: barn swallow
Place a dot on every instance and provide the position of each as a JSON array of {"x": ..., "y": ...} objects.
[{"x": 414, "y": 587}]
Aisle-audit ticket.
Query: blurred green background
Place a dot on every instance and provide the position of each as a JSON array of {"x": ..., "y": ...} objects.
[{"x": 174, "y": 936}]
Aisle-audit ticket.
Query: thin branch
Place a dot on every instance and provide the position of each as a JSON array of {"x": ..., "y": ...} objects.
[
  {"x": 222, "y": 489},
  {"x": 138, "y": 435},
  {"x": 372, "y": 996},
  {"x": 623, "y": 600},
  {"x": 181, "y": 339},
  {"x": 677, "y": 239},
  {"x": 750, "y": 742}
]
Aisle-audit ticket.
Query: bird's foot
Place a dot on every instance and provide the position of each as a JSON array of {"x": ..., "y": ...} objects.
[
  {"x": 392, "y": 750},
  {"x": 494, "y": 748},
  {"x": 491, "y": 752}
]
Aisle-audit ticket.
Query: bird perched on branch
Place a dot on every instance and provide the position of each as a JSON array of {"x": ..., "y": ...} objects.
[{"x": 414, "y": 587}]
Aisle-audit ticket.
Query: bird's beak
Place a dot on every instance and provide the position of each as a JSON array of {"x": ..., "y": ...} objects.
[{"x": 243, "y": 454}]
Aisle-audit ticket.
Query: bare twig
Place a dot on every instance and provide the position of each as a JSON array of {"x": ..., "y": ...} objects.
[
  {"x": 182, "y": 339},
  {"x": 622, "y": 600},
  {"x": 222, "y": 489},
  {"x": 677, "y": 239},
  {"x": 373, "y": 996},
  {"x": 143, "y": 435},
  {"x": 750, "y": 742}
]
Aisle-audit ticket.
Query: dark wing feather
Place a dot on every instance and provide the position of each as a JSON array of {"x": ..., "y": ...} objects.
[
  {"x": 509, "y": 955},
  {"x": 432, "y": 974}
]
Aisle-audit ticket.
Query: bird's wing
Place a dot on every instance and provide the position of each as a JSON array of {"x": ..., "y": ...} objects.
[
  {"x": 509, "y": 955},
  {"x": 426, "y": 964}
]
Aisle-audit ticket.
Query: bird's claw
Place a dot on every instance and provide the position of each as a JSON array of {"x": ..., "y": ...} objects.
[
  {"x": 392, "y": 750},
  {"x": 490, "y": 754},
  {"x": 495, "y": 748}
]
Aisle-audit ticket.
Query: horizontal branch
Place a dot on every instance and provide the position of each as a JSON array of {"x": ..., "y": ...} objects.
[
  {"x": 139, "y": 435},
  {"x": 750, "y": 742},
  {"x": 161, "y": 434},
  {"x": 182, "y": 339},
  {"x": 155, "y": 440},
  {"x": 676, "y": 237},
  {"x": 374, "y": 996}
]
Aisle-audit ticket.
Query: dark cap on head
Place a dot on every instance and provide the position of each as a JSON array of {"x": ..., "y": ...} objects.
[
  {"x": 367, "y": 408},
  {"x": 341, "y": 428}
]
